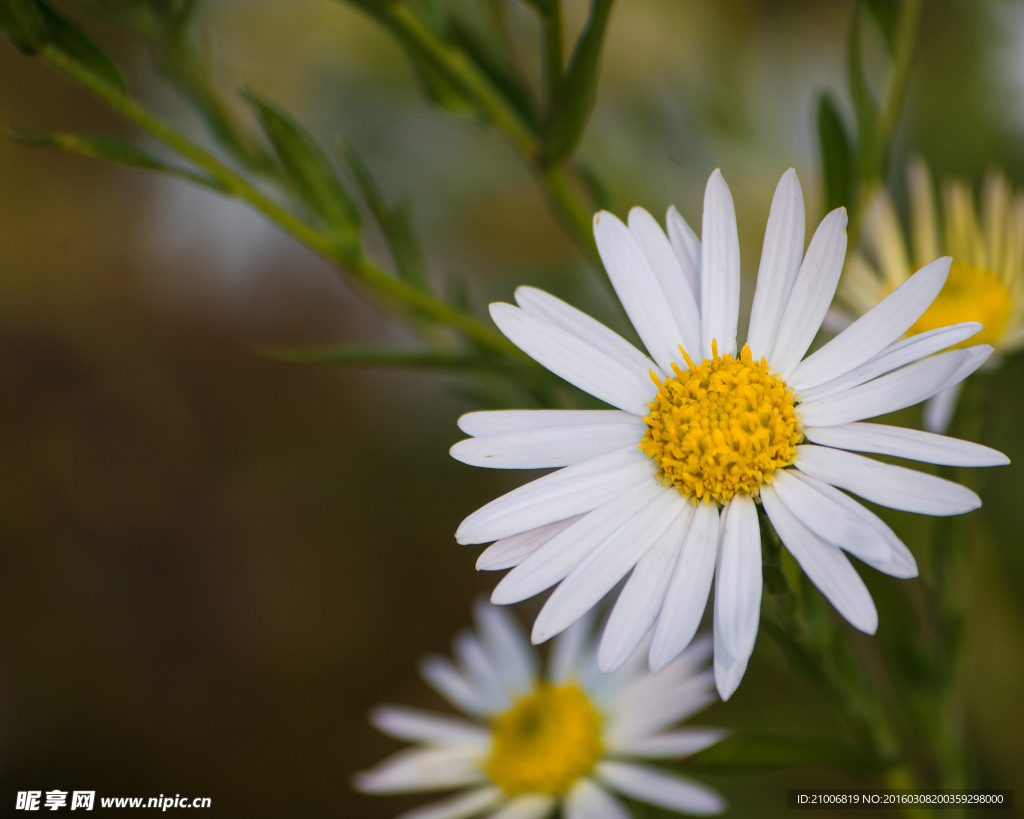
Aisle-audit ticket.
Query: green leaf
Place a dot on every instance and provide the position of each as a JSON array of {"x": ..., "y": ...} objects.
[
  {"x": 394, "y": 223},
  {"x": 837, "y": 159},
  {"x": 358, "y": 356},
  {"x": 869, "y": 132},
  {"x": 578, "y": 91},
  {"x": 497, "y": 70},
  {"x": 885, "y": 13},
  {"x": 309, "y": 172},
  {"x": 748, "y": 753},
  {"x": 70, "y": 38},
  {"x": 111, "y": 150},
  {"x": 24, "y": 24}
]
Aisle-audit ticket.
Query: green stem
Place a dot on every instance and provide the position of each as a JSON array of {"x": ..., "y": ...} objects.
[
  {"x": 365, "y": 271},
  {"x": 553, "y": 57},
  {"x": 907, "y": 24},
  {"x": 820, "y": 653}
]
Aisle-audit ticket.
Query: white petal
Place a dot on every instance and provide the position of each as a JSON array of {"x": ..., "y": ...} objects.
[
  {"x": 527, "y": 806},
  {"x": 673, "y": 744},
  {"x": 566, "y": 551},
  {"x": 687, "y": 247},
  {"x": 555, "y": 311},
  {"x": 825, "y": 565},
  {"x": 737, "y": 593},
  {"x": 906, "y": 443},
  {"x": 688, "y": 590},
  {"x": 977, "y": 356},
  {"x": 836, "y": 321},
  {"x": 588, "y": 800},
  {"x": 645, "y": 709},
  {"x": 895, "y": 355},
  {"x": 509, "y": 650},
  {"x": 719, "y": 269},
  {"x": 827, "y": 517},
  {"x": 422, "y": 769},
  {"x": 661, "y": 788},
  {"x": 811, "y": 295},
  {"x": 638, "y": 290},
  {"x": 570, "y": 650},
  {"x": 669, "y": 273},
  {"x": 640, "y": 600},
  {"x": 901, "y": 388},
  {"x": 402, "y": 722},
  {"x": 938, "y": 412},
  {"x": 885, "y": 484},
  {"x": 450, "y": 683},
  {"x": 574, "y": 360},
  {"x": 570, "y": 491},
  {"x": 875, "y": 330},
  {"x": 898, "y": 561},
  {"x": 885, "y": 236},
  {"x": 480, "y": 671},
  {"x": 461, "y": 806},
  {"x": 546, "y": 448},
  {"x": 505, "y": 422},
  {"x": 606, "y": 565},
  {"x": 511, "y": 551},
  {"x": 781, "y": 253}
]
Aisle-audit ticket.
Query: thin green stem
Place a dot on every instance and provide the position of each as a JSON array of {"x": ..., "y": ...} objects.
[
  {"x": 460, "y": 69},
  {"x": 365, "y": 271}
]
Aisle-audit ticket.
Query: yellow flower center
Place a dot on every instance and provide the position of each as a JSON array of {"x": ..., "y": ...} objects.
[
  {"x": 546, "y": 742},
  {"x": 721, "y": 428},
  {"x": 969, "y": 294}
]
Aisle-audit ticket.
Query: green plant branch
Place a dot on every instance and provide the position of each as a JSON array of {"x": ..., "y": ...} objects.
[
  {"x": 820, "y": 653},
  {"x": 554, "y": 59},
  {"x": 234, "y": 185}
]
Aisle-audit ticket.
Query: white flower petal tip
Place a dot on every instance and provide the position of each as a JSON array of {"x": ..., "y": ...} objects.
[
  {"x": 728, "y": 677},
  {"x": 661, "y": 788}
]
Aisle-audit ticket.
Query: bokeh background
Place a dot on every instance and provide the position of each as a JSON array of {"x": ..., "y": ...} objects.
[{"x": 212, "y": 565}]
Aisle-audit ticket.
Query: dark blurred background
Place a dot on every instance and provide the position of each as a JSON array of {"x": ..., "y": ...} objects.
[{"x": 213, "y": 565}]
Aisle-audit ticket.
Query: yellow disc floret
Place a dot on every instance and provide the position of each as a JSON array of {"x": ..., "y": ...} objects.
[
  {"x": 546, "y": 742},
  {"x": 969, "y": 294},
  {"x": 722, "y": 427}
]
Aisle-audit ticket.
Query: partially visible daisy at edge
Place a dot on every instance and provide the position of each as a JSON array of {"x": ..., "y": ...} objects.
[
  {"x": 986, "y": 280},
  {"x": 536, "y": 742},
  {"x": 664, "y": 488}
]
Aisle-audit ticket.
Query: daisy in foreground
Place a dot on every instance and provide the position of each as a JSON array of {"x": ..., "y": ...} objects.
[
  {"x": 539, "y": 742},
  {"x": 986, "y": 280},
  {"x": 665, "y": 486}
]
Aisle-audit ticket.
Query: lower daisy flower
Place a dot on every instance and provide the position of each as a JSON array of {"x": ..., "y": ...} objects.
[
  {"x": 534, "y": 743},
  {"x": 664, "y": 488},
  {"x": 985, "y": 282}
]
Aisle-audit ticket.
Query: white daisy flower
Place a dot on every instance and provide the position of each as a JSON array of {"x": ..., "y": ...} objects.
[
  {"x": 986, "y": 279},
  {"x": 665, "y": 486},
  {"x": 535, "y": 743}
]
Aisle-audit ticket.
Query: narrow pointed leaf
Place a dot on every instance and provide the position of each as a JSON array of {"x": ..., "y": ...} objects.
[
  {"x": 394, "y": 222},
  {"x": 309, "y": 172},
  {"x": 885, "y": 13},
  {"x": 498, "y": 70},
  {"x": 869, "y": 133},
  {"x": 24, "y": 24},
  {"x": 578, "y": 90},
  {"x": 70, "y": 38},
  {"x": 837, "y": 157},
  {"x": 111, "y": 150}
]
